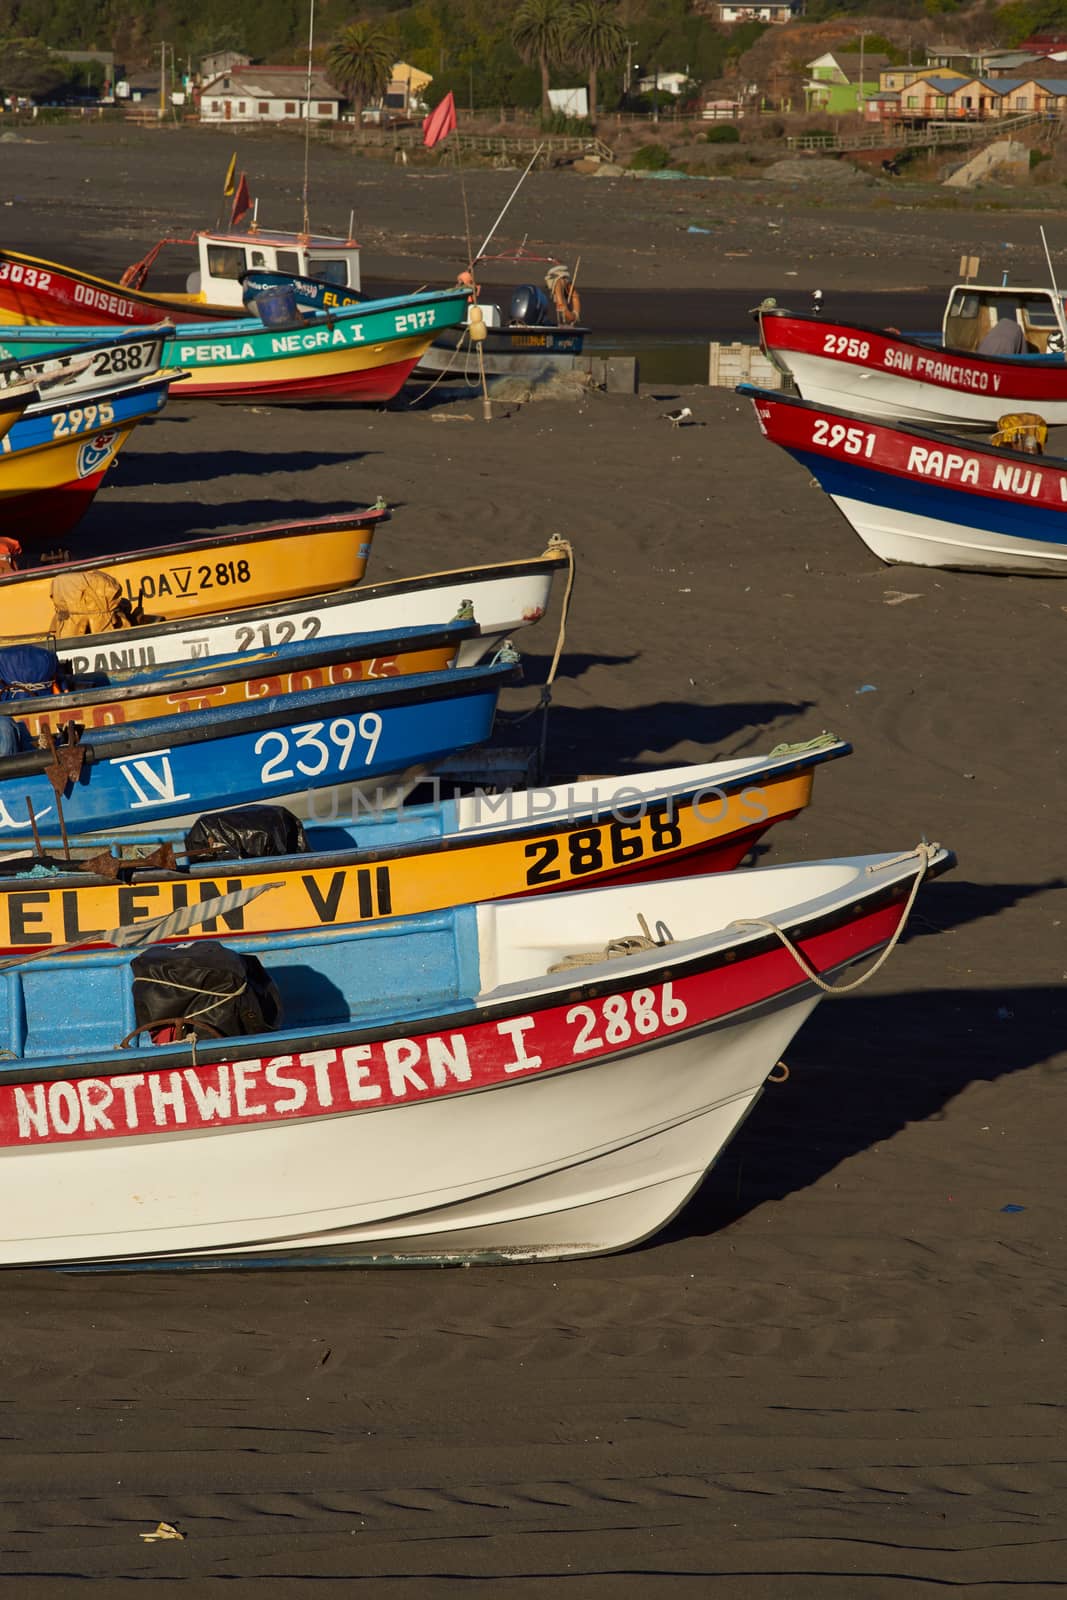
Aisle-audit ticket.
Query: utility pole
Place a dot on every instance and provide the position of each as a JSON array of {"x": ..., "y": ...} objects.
[
  {"x": 631, "y": 46},
  {"x": 162, "y": 81},
  {"x": 861, "y": 97}
]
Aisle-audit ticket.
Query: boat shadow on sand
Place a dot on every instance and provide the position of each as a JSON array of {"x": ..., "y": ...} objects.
[
  {"x": 610, "y": 738},
  {"x": 118, "y": 527},
  {"x": 179, "y": 469},
  {"x": 861, "y": 1072}
]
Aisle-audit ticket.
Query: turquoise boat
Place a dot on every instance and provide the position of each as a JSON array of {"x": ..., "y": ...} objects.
[{"x": 359, "y": 353}]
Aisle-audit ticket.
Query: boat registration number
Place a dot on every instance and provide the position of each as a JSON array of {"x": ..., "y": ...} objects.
[
  {"x": 32, "y": 277},
  {"x": 316, "y": 747},
  {"x": 415, "y": 321},
  {"x": 125, "y": 358},
  {"x": 835, "y": 436},
  {"x": 81, "y": 419},
  {"x": 840, "y": 344},
  {"x": 595, "y": 849}
]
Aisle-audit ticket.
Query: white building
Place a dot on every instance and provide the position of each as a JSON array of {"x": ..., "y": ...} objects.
[
  {"x": 268, "y": 94},
  {"x": 773, "y": 11},
  {"x": 664, "y": 82}
]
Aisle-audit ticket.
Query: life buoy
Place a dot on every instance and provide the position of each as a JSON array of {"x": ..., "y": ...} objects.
[{"x": 567, "y": 305}]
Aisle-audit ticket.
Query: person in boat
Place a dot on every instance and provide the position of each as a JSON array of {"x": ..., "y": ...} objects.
[
  {"x": 1005, "y": 338},
  {"x": 563, "y": 294}
]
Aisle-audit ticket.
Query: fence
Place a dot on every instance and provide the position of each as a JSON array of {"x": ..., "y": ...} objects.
[
  {"x": 890, "y": 136},
  {"x": 521, "y": 147}
]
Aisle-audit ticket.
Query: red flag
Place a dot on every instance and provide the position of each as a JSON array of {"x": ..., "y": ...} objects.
[
  {"x": 439, "y": 124},
  {"x": 242, "y": 201}
]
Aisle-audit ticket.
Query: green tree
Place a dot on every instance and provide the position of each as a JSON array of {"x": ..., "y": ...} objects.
[
  {"x": 28, "y": 67},
  {"x": 538, "y": 34},
  {"x": 360, "y": 61},
  {"x": 594, "y": 38}
]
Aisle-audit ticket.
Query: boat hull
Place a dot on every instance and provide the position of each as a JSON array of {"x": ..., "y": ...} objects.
[
  {"x": 172, "y": 768},
  {"x": 263, "y": 566},
  {"x": 686, "y": 821},
  {"x": 928, "y": 499},
  {"x": 504, "y": 598},
  {"x": 525, "y": 1128},
  {"x": 42, "y": 293},
  {"x": 878, "y": 374},
  {"x": 363, "y": 353}
]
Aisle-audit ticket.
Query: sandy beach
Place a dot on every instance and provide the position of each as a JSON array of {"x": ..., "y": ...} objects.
[{"x": 839, "y": 1374}]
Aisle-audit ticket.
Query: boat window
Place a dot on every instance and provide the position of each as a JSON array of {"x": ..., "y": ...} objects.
[
  {"x": 1040, "y": 313},
  {"x": 225, "y": 261},
  {"x": 963, "y": 305},
  {"x": 256, "y": 258},
  {"x": 289, "y": 261},
  {"x": 329, "y": 270}
]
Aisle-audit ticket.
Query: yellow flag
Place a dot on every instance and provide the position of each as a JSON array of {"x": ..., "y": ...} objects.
[{"x": 227, "y": 187}]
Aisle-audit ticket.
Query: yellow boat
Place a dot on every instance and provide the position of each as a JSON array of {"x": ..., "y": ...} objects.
[
  {"x": 53, "y": 458},
  {"x": 426, "y": 858},
  {"x": 122, "y": 697},
  {"x": 282, "y": 561}
]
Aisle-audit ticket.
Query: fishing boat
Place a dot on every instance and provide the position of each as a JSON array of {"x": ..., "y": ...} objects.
[
  {"x": 54, "y": 696},
  {"x": 528, "y": 344},
  {"x": 501, "y": 598},
  {"x": 87, "y": 366},
  {"x": 513, "y": 1081},
  {"x": 363, "y": 353},
  {"x": 261, "y": 567},
  {"x": 171, "y": 769},
  {"x": 36, "y": 292},
  {"x": 53, "y": 460},
  {"x": 945, "y": 381},
  {"x": 683, "y": 820},
  {"x": 929, "y": 498}
]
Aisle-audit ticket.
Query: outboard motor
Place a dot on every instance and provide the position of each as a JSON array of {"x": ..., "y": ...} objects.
[{"x": 529, "y": 306}]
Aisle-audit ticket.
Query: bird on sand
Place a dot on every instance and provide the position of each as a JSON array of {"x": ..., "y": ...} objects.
[{"x": 679, "y": 419}]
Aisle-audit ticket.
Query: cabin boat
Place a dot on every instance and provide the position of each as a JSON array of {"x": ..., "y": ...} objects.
[
  {"x": 941, "y": 381},
  {"x": 36, "y": 291}
]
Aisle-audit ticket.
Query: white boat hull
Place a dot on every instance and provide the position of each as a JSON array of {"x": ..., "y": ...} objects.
[
  {"x": 898, "y": 398},
  {"x": 575, "y": 1163},
  {"x": 903, "y": 537}
]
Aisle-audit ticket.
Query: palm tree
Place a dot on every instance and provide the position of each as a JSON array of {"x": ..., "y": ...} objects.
[
  {"x": 537, "y": 34},
  {"x": 360, "y": 61},
  {"x": 594, "y": 38}
]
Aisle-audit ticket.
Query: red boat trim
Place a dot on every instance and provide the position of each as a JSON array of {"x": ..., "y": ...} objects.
[
  {"x": 876, "y": 350},
  {"x": 464, "y": 1055},
  {"x": 372, "y": 385}
]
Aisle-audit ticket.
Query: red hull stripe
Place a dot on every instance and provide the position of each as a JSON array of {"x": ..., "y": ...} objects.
[
  {"x": 66, "y": 300},
  {"x": 405, "y": 1071},
  {"x": 917, "y": 455},
  {"x": 373, "y": 384},
  {"x": 48, "y": 513},
  {"x": 906, "y": 358}
]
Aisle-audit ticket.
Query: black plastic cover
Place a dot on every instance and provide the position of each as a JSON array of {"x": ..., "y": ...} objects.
[
  {"x": 215, "y": 989},
  {"x": 245, "y": 833}
]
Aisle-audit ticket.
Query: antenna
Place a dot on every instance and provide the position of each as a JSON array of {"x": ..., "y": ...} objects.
[
  {"x": 1048, "y": 258},
  {"x": 307, "y": 110}
]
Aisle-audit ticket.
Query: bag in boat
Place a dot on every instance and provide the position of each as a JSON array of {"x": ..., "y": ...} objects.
[
  {"x": 202, "y": 988},
  {"x": 27, "y": 669},
  {"x": 244, "y": 833},
  {"x": 10, "y": 550},
  {"x": 91, "y": 602}
]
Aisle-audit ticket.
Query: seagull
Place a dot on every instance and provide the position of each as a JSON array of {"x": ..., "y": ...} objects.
[{"x": 679, "y": 419}]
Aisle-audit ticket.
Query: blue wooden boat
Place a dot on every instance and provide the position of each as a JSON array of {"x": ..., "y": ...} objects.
[
  {"x": 309, "y": 294},
  {"x": 336, "y": 738}
]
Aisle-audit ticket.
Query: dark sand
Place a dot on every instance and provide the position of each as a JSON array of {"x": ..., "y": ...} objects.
[{"x": 840, "y": 1374}]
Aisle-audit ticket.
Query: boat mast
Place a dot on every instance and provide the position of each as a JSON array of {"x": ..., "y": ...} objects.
[{"x": 307, "y": 110}]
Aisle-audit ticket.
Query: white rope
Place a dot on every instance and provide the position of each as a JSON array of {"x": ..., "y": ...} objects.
[
  {"x": 925, "y": 854},
  {"x": 218, "y": 996}
]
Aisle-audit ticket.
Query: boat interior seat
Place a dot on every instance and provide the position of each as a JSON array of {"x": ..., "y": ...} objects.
[{"x": 325, "y": 979}]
